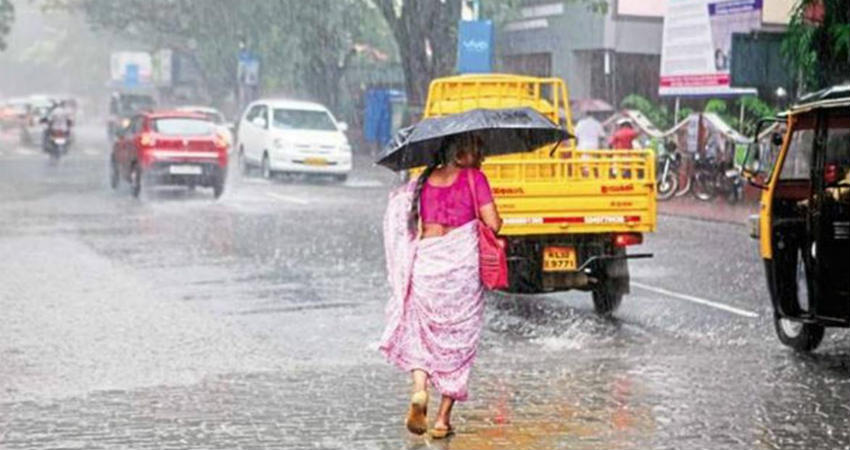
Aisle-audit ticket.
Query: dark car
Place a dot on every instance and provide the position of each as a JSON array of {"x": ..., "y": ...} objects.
[{"x": 170, "y": 148}]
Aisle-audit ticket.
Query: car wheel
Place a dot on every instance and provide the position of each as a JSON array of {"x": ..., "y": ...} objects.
[
  {"x": 114, "y": 176},
  {"x": 243, "y": 164},
  {"x": 798, "y": 335},
  {"x": 136, "y": 180},
  {"x": 341, "y": 178},
  {"x": 218, "y": 186},
  {"x": 265, "y": 168}
]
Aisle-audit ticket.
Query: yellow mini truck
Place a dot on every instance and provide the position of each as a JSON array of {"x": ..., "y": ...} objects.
[
  {"x": 804, "y": 222},
  {"x": 569, "y": 215}
]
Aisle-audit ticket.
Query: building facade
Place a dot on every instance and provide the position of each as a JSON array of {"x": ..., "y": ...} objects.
[{"x": 601, "y": 54}]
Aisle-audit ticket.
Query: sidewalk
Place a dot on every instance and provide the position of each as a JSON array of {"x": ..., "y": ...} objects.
[{"x": 717, "y": 210}]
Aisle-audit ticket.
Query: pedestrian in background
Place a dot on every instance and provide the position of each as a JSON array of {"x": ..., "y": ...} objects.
[
  {"x": 589, "y": 133},
  {"x": 624, "y": 137},
  {"x": 436, "y": 310}
]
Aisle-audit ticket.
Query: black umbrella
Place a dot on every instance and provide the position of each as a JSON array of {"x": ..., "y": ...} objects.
[{"x": 502, "y": 131}]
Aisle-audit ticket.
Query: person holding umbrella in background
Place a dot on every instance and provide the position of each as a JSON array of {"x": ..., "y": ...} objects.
[
  {"x": 623, "y": 138},
  {"x": 432, "y": 236}
]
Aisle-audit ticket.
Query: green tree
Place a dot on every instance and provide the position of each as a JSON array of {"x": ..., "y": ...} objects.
[
  {"x": 818, "y": 42},
  {"x": 304, "y": 46},
  {"x": 7, "y": 17},
  {"x": 425, "y": 32}
]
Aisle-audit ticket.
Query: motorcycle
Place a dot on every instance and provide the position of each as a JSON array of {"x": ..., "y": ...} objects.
[
  {"x": 667, "y": 173},
  {"x": 57, "y": 138},
  {"x": 712, "y": 179}
]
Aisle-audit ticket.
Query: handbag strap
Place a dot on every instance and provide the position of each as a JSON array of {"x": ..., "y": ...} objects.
[{"x": 474, "y": 195}]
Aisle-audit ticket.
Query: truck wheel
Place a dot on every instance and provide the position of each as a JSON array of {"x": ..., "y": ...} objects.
[
  {"x": 613, "y": 284},
  {"x": 606, "y": 299}
]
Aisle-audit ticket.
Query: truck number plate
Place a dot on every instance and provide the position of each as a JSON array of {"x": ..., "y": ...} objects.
[{"x": 559, "y": 259}]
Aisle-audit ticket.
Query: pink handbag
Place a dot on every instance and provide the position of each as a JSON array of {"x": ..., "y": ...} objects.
[{"x": 493, "y": 261}]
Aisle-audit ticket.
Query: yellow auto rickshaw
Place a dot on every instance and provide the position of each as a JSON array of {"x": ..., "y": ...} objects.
[{"x": 804, "y": 222}]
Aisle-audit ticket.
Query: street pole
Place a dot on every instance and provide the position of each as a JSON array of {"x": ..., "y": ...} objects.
[
  {"x": 741, "y": 119},
  {"x": 676, "y": 112}
]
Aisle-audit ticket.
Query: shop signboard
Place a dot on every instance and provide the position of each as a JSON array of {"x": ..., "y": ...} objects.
[
  {"x": 138, "y": 64},
  {"x": 475, "y": 46},
  {"x": 697, "y": 45}
]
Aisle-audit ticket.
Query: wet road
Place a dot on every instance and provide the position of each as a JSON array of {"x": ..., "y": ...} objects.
[{"x": 251, "y": 322}]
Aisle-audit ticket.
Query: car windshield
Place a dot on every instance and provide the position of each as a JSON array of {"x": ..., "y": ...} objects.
[
  {"x": 179, "y": 126},
  {"x": 136, "y": 103},
  {"x": 301, "y": 119}
]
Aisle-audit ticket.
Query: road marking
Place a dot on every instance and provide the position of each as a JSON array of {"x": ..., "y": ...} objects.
[
  {"x": 24, "y": 151},
  {"x": 91, "y": 152},
  {"x": 697, "y": 300},
  {"x": 288, "y": 198}
]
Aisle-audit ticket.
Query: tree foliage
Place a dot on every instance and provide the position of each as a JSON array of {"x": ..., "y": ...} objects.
[
  {"x": 304, "y": 46},
  {"x": 660, "y": 115},
  {"x": 818, "y": 42},
  {"x": 754, "y": 109},
  {"x": 7, "y": 18}
]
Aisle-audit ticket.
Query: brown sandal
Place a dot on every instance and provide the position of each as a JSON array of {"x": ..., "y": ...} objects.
[
  {"x": 417, "y": 415},
  {"x": 441, "y": 433}
]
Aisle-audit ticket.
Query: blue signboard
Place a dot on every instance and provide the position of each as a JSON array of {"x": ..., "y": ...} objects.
[
  {"x": 475, "y": 47},
  {"x": 131, "y": 75}
]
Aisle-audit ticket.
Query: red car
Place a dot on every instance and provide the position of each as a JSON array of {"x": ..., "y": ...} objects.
[{"x": 172, "y": 148}]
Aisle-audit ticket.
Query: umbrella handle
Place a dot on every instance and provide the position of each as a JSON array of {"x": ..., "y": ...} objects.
[{"x": 555, "y": 147}]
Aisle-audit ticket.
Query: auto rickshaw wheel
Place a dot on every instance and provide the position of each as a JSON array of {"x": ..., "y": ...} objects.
[
  {"x": 800, "y": 336},
  {"x": 795, "y": 334}
]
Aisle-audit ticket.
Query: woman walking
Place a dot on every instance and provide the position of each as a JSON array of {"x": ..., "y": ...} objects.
[{"x": 436, "y": 310}]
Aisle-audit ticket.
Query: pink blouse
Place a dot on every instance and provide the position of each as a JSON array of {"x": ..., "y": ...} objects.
[{"x": 452, "y": 205}]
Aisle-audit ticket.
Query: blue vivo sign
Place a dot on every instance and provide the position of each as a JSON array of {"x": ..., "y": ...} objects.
[
  {"x": 131, "y": 75},
  {"x": 475, "y": 46}
]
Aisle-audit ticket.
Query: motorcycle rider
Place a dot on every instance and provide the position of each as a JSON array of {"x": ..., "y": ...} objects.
[{"x": 57, "y": 120}]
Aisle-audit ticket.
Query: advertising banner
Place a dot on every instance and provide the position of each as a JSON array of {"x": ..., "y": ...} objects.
[
  {"x": 697, "y": 45},
  {"x": 475, "y": 47}
]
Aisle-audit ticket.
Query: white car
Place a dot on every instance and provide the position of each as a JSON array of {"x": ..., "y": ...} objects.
[
  {"x": 215, "y": 116},
  {"x": 286, "y": 136}
]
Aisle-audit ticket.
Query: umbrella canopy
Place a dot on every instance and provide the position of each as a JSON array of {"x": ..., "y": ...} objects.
[
  {"x": 501, "y": 131},
  {"x": 591, "y": 105}
]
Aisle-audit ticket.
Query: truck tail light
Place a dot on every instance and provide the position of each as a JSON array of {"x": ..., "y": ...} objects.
[{"x": 627, "y": 239}]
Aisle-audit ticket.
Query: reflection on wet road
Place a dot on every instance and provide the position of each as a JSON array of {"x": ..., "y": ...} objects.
[{"x": 251, "y": 322}]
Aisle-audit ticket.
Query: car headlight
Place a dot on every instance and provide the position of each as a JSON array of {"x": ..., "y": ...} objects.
[
  {"x": 345, "y": 148},
  {"x": 279, "y": 144}
]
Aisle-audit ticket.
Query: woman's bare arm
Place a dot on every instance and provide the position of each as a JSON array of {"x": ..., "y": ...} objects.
[{"x": 490, "y": 216}]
